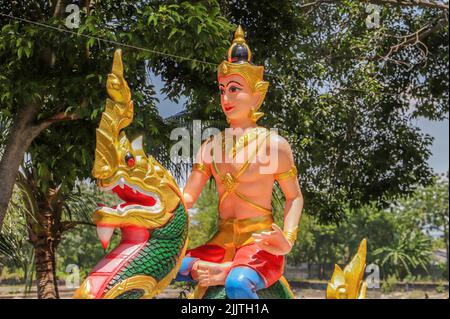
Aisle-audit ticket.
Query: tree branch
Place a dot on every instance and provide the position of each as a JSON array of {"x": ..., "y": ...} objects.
[
  {"x": 59, "y": 117},
  {"x": 417, "y": 37},
  {"x": 413, "y": 3},
  {"x": 430, "y": 4}
]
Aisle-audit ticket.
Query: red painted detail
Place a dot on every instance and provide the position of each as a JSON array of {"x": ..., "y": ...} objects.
[
  {"x": 131, "y": 162},
  {"x": 126, "y": 193},
  {"x": 133, "y": 240}
]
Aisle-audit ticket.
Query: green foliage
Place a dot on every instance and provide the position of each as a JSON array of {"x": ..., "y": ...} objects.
[
  {"x": 65, "y": 74},
  {"x": 427, "y": 210},
  {"x": 387, "y": 286},
  {"x": 16, "y": 252},
  {"x": 397, "y": 243},
  {"x": 82, "y": 247},
  {"x": 440, "y": 288},
  {"x": 409, "y": 252},
  {"x": 347, "y": 112},
  {"x": 399, "y": 239},
  {"x": 14, "y": 246},
  {"x": 203, "y": 222},
  {"x": 343, "y": 107}
]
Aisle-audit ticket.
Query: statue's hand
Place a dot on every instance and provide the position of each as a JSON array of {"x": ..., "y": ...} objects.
[
  {"x": 116, "y": 85},
  {"x": 274, "y": 242}
]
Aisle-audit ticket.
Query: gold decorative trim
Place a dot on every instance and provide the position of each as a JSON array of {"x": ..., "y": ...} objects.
[
  {"x": 239, "y": 39},
  {"x": 202, "y": 168},
  {"x": 287, "y": 286},
  {"x": 135, "y": 217},
  {"x": 141, "y": 282},
  {"x": 286, "y": 175},
  {"x": 147, "y": 283},
  {"x": 84, "y": 291},
  {"x": 291, "y": 235}
]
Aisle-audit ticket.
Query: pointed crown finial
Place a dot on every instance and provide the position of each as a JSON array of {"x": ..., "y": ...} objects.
[
  {"x": 239, "y": 35},
  {"x": 239, "y": 51}
]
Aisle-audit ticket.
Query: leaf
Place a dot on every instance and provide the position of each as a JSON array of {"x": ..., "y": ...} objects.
[
  {"x": 174, "y": 30},
  {"x": 27, "y": 52},
  {"x": 20, "y": 52}
]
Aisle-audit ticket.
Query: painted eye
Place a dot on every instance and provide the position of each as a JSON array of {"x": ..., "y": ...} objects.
[
  {"x": 234, "y": 89},
  {"x": 129, "y": 159}
]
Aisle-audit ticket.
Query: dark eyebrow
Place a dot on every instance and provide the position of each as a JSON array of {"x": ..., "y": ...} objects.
[
  {"x": 221, "y": 85},
  {"x": 234, "y": 82}
]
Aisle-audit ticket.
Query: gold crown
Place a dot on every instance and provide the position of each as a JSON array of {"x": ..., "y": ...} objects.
[{"x": 239, "y": 62}]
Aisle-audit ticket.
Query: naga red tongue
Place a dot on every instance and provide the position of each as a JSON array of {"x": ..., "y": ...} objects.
[{"x": 130, "y": 197}]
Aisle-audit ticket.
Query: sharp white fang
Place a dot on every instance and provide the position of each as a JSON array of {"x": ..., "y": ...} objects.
[
  {"x": 122, "y": 182},
  {"x": 104, "y": 234}
]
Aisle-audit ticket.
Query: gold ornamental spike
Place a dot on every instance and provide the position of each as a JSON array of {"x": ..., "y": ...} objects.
[
  {"x": 348, "y": 283},
  {"x": 239, "y": 35},
  {"x": 116, "y": 85}
]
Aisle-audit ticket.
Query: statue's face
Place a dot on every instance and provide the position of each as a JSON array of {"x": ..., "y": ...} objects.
[{"x": 236, "y": 97}]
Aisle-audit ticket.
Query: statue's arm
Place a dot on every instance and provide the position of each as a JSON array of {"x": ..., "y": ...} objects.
[
  {"x": 201, "y": 173},
  {"x": 280, "y": 241},
  {"x": 286, "y": 176}
]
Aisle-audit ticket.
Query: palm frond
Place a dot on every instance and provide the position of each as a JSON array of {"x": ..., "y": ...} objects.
[{"x": 5, "y": 128}]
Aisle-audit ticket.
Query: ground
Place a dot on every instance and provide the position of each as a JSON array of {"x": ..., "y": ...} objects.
[{"x": 15, "y": 292}]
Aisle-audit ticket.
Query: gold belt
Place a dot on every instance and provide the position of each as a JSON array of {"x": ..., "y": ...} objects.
[{"x": 235, "y": 233}]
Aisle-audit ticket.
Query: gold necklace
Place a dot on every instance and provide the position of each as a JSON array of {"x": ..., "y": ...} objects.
[{"x": 242, "y": 142}]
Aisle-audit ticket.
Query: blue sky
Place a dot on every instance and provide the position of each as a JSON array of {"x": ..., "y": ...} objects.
[{"x": 439, "y": 130}]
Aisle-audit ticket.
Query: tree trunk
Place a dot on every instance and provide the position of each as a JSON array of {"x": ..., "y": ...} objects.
[
  {"x": 45, "y": 236},
  {"x": 22, "y": 134},
  {"x": 446, "y": 249},
  {"x": 47, "y": 287}
]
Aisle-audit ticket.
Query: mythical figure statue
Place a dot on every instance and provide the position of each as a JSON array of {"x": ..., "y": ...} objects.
[{"x": 246, "y": 256}]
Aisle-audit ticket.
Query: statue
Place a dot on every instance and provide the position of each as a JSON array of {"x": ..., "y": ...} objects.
[
  {"x": 152, "y": 217},
  {"x": 246, "y": 255},
  {"x": 245, "y": 258}
]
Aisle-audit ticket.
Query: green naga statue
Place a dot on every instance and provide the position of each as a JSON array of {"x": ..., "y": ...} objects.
[{"x": 152, "y": 217}]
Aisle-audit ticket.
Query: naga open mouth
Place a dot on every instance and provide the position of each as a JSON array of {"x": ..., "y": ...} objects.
[
  {"x": 133, "y": 197},
  {"x": 139, "y": 208}
]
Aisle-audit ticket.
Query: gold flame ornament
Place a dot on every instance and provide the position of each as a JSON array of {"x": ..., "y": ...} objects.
[
  {"x": 348, "y": 283},
  {"x": 239, "y": 62}
]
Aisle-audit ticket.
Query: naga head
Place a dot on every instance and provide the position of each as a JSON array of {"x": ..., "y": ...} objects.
[{"x": 148, "y": 191}]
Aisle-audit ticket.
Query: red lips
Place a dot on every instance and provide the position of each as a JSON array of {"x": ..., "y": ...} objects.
[{"x": 228, "y": 107}]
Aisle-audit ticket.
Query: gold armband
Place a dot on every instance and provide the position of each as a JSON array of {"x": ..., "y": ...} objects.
[
  {"x": 202, "y": 168},
  {"x": 291, "y": 235},
  {"x": 286, "y": 175}
]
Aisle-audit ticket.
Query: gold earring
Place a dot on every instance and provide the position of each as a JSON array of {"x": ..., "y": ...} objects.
[{"x": 255, "y": 115}]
